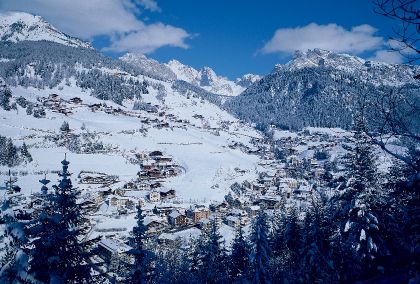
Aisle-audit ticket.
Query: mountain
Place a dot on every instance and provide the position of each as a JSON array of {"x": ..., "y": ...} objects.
[
  {"x": 207, "y": 79},
  {"x": 20, "y": 26},
  {"x": 322, "y": 89},
  {"x": 247, "y": 80},
  {"x": 150, "y": 67}
]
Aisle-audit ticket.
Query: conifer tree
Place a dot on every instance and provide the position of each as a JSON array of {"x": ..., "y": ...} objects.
[
  {"x": 14, "y": 259},
  {"x": 239, "y": 258},
  {"x": 59, "y": 254},
  {"x": 141, "y": 269},
  {"x": 25, "y": 153},
  {"x": 212, "y": 268},
  {"x": 260, "y": 255},
  {"x": 357, "y": 209}
]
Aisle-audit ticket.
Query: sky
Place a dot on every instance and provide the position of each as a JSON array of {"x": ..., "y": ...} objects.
[{"x": 234, "y": 37}]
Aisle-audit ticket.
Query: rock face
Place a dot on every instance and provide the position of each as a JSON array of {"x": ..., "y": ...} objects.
[
  {"x": 207, "y": 79},
  {"x": 19, "y": 26},
  {"x": 321, "y": 88}
]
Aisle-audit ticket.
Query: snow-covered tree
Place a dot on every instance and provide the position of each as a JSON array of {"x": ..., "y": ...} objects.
[
  {"x": 357, "y": 208},
  {"x": 13, "y": 257},
  {"x": 25, "y": 153},
  {"x": 59, "y": 254},
  {"x": 239, "y": 259},
  {"x": 260, "y": 255},
  {"x": 65, "y": 127},
  {"x": 141, "y": 271},
  {"x": 208, "y": 257}
]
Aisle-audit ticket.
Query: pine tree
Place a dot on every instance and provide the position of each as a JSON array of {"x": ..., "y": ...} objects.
[
  {"x": 316, "y": 265},
  {"x": 25, "y": 153},
  {"x": 59, "y": 255},
  {"x": 212, "y": 267},
  {"x": 239, "y": 258},
  {"x": 14, "y": 260},
  {"x": 293, "y": 245},
  {"x": 141, "y": 269},
  {"x": 65, "y": 127},
  {"x": 357, "y": 212},
  {"x": 260, "y": 255}
]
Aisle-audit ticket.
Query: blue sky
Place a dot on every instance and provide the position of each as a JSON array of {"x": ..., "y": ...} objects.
[{"x": 233, "y": 37}]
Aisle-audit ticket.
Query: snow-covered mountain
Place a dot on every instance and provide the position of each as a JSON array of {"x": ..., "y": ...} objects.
[
  {"x": 379, "y": 73},
  {"x": 207, "y": 79},
  {"x": 321, "y": 88},
  {"x": 150, "y": 67},
  {"x": 247, "y": 80},
  {"x": 20, "y": 26}
]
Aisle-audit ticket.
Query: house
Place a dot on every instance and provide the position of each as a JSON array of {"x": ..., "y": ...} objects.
[
  {"x": 219, "y": 206},
  {"x": 76, "y": 100},
  {"x": 198, "y": 213},
  {"x": 148, "y": 165},
  {"x": 130, "y": 185},
  {"x": 154, "y": 173},
  {"x": 233, "y": 221},
  {"x": 154, "y": 196},
  {"x": 177, "y": 219},
  {"x": 167, "y": 193},
  {"x": 112, "y": 250},
  {"x": 154, "y": 224},
  {"x": 253, "y": 210},
  {"x": 114, "y": 201},
  {"x": 246, "y": 184},
  {"x": 155, "y": 154}
]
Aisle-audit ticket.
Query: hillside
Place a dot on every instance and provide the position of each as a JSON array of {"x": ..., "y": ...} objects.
[{"x": 321, "y": 89}]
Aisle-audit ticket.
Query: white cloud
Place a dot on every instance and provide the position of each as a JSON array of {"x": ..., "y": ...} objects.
[
  {"x": 331, "y": 37},
  {"x": 150, "y": 5},
  {"x": 387, "y": 56},
  {"x": 118, "y": 19},
  {"x": 148, "y": 38}
]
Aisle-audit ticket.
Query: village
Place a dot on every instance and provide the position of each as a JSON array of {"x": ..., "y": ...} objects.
[{"x": 290, "y": 170}]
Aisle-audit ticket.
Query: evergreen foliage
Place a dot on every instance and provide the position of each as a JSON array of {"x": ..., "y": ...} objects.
[{"x": 60, "y": 254}]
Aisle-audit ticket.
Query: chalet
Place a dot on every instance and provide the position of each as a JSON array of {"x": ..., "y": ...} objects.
[
  {"x": 148, "y": 165},
  {"x": 155, "y": 154},
  {"x": 167, "y": 193},
  {"x": 141, "y": 202},
  {"x": 253, "y": 210},
  {"x": 154, "y": 196},
  {"x": 162, "y": 210},
  {"x": 112, "y": 249},
  {"x": 154, "y": 173},
  {"x": 233, "y": 221},
  {"x": 154, "y": 224},
  {"x": 258, "y": 186},
  {"x": 246, "y": 184},
  {"x": 219, "y": 206},
  {"x": 155, "y": 185},
  {"x": 130, "y": 185},
  {"x": 198, "y": 213},
  {"x": 76, "y": 100},
  {"x": 54, "y": 97},
  {"x": 143, "y": 186},
  {"x": 114, "y": 201},
  {"x": 177, "y": 219},
  {"x": 269, "y": 202},
  {"x": 141, "y": 156}
]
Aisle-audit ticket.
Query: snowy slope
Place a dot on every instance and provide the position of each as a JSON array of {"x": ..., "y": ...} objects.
[
  {"x": 20, "y": 26},
  {"x": 208, "y": 163}
]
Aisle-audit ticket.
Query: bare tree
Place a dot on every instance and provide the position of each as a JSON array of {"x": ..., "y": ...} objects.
[{"x": 406, "y": 34}]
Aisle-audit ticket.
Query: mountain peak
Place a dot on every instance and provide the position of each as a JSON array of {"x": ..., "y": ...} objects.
[{"x": 20, "y": 26}]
